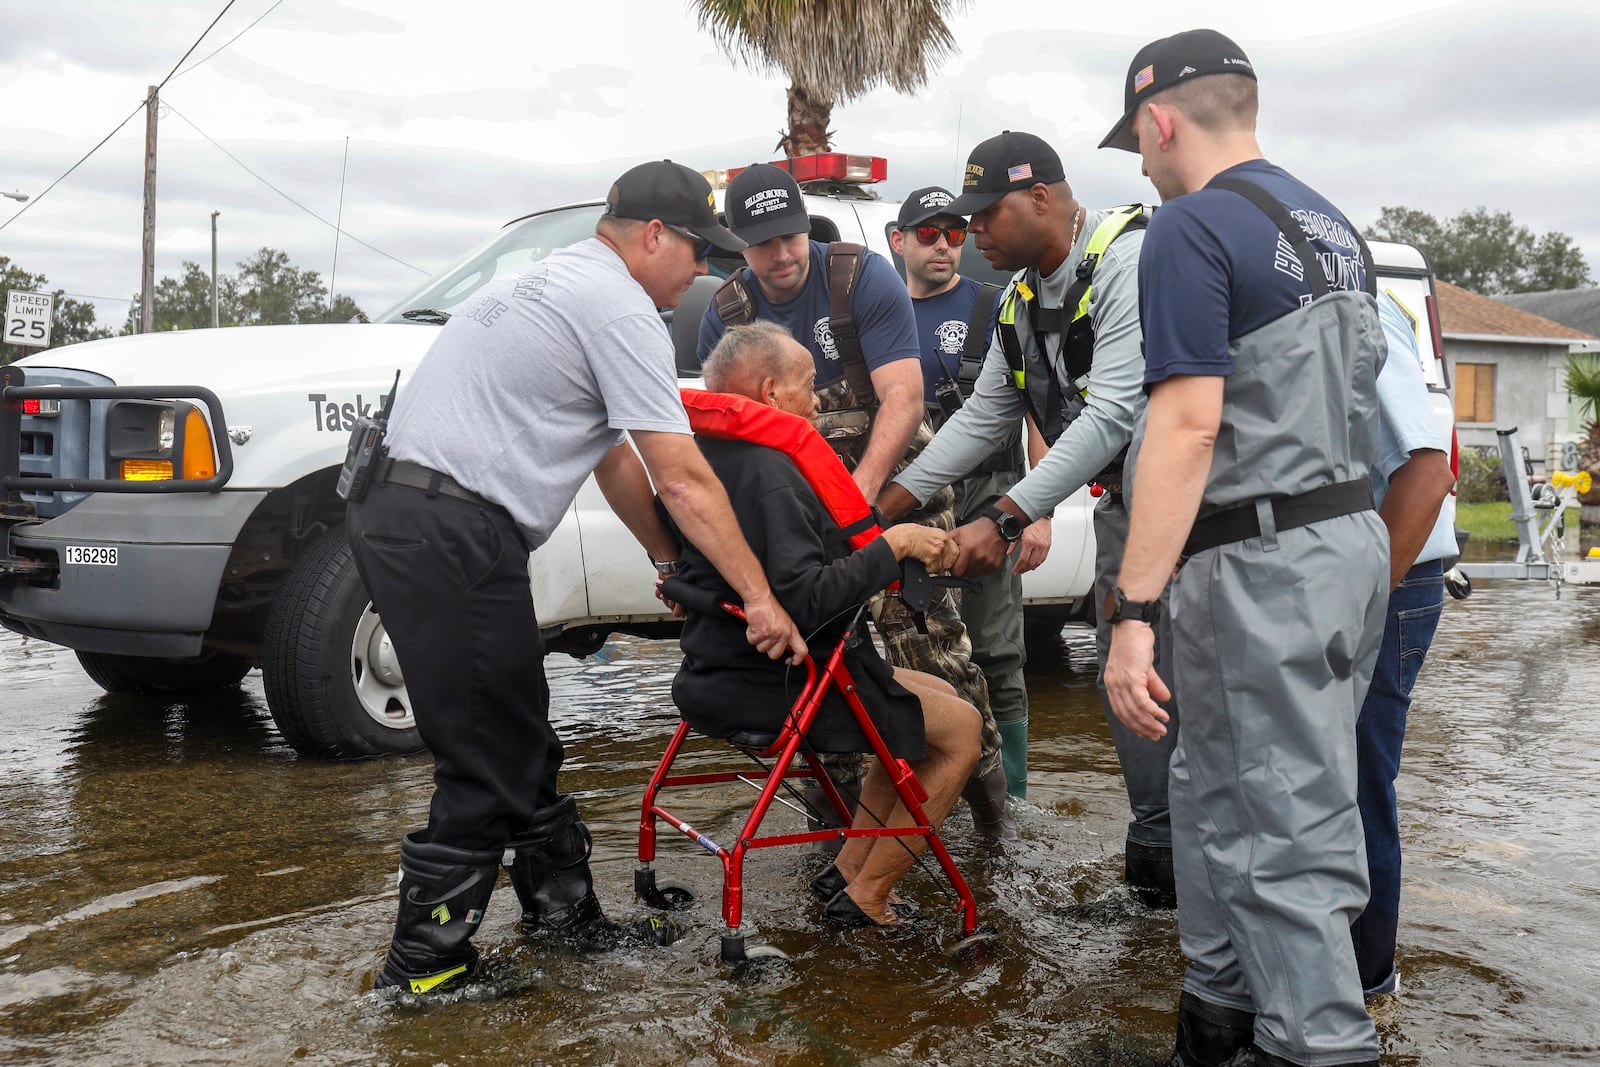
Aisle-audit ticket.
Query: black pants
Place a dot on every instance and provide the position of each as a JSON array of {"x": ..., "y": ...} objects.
[{"x": 450, "y": 579}]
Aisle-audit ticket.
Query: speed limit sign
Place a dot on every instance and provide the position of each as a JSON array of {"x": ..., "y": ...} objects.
[{"x": 28, "y": 319}]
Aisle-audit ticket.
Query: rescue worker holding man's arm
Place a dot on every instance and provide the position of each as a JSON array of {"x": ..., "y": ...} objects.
[
  {"x": 1262, "y": 349},
  {"x": 848, "y": 307},
  {"x": 1065, "y": 351},
  {"x": 526, "y": 391}
]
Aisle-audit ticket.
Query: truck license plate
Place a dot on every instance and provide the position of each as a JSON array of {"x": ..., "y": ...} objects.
[{"x": 93, "y": 555}]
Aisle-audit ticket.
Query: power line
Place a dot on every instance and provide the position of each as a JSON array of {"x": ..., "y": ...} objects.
[
  {"x": 26, "y": 207},
  {"x": 334, "y": 226},
  {"x": 235, "y": 37}
]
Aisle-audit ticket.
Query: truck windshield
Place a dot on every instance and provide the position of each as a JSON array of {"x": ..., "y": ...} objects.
[{"x": 506, "y": 254}]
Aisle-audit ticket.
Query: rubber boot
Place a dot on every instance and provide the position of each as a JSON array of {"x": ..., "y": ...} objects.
[
  {"x": 991, "y": 814},
  {"x": 1014, "y": 755},
  {"x": 443, "y": 892},
  {"x": 1210, "y": 1035},
  {"x": 1148, "y": 872},
  {"x": 550, "y": 872}
]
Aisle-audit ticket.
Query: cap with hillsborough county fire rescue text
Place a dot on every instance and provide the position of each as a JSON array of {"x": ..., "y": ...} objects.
[
  {"x": 1004, "y": 164},
  {"x": 1162, "y": 64},
  {"x": 674, "y": 194},
  {"x": 764, "y": 202},
  {"x": 930, "y": 202}
]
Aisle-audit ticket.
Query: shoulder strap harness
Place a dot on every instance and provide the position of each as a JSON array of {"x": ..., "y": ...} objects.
[{"x": 1027, "y": 357}]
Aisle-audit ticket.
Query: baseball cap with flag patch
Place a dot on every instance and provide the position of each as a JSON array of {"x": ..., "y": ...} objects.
[
  {"x": 1003, "y": 164},
  {"x": 1162, "y": 64}
]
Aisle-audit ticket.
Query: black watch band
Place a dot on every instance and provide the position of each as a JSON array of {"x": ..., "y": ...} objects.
[
  {"x": 1123, "y": 609},
  {"x": 1009, "y": 525}
]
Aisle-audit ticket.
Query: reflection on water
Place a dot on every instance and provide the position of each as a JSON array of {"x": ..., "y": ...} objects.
[{"x": 177, "y": 886}]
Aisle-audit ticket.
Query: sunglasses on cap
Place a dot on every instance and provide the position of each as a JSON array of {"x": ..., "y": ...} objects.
[
  {"x": 703, "y": 247},
  {"x": 927, "y": 235}
]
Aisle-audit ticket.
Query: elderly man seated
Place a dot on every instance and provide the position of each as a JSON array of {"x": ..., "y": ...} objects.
[{"x": 725, "y": 685}]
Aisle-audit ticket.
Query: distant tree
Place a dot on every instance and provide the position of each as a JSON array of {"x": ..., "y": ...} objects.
[
  {"x": 71, "y": 320},
  {"x": 1487, "y": 252},
  {"x": 268, "y": 290},
  {"x": 832, "y": 50}
]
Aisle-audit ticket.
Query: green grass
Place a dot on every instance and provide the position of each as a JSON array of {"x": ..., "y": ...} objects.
[{"x": 1486, "y": 522}]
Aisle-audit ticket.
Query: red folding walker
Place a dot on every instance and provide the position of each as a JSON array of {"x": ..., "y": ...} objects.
[{"x": 783, "y": 747}]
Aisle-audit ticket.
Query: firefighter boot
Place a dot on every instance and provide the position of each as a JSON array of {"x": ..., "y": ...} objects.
[
  {"x": 1014, "y": 755},
  {"x": 550, "y": 872},
  {"x": 991, "y": 814},
  {"x": 1210, "y": 1035},
  {"x": 1148, "y": 871},
  {"x": 443, "y": 892}
]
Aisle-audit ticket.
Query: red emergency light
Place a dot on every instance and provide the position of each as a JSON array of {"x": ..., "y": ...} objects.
[
  {"x": 831, "y": 166},
  {"x": 35, "y": 406}
]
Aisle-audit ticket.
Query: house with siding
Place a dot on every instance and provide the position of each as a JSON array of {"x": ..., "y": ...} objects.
[{"x": 1508, "y": 367}]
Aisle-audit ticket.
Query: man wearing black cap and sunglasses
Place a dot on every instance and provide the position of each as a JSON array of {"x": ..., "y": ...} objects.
[
  {"x": 1263, "y": 346},
  {"x": 526, "y": 391},
  {"x": 1066, "y": 355},
  {"x": 849, "y": 308}
]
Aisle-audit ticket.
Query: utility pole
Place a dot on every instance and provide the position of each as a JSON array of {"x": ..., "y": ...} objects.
[
  {"x": 147, "y": 282},
  {"x": 214, "y": 215}
]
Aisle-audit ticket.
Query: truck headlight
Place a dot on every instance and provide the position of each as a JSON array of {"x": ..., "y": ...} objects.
[{"x": 152, "y": 441}]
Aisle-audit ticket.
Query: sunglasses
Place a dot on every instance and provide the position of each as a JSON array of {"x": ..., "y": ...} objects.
[
  {"x": 927, "y": 235},
  {"x": 703, "y": 247}
]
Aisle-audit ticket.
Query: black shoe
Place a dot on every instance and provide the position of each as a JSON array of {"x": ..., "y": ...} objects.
[
  {"x": 828, "y": 884},
  {"x": 842, "y": 911},
  {"x": 443, "y": 892}
]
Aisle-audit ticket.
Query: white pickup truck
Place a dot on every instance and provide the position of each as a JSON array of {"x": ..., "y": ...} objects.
[{"x": 167, "y": 504}]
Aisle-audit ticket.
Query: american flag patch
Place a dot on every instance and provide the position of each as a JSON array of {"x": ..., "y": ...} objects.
[
  {"x": 1142, "y": 80},
  {"x": 1020, "y": 173}
]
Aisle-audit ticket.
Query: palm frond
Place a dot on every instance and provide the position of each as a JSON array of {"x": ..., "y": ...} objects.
[
  {"x": 1583, "y": 383},
  {"x": 836, "y": 50}
]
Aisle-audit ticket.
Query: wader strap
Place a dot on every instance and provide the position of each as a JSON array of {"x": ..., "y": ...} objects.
[
  {"x": 1241, "y": 522},
  {"x": 844, "y": 266},
  {"x": 976, "y": 346},
  {"x": 733, "y": 302},
  {"x": 1316, "y": 277}
]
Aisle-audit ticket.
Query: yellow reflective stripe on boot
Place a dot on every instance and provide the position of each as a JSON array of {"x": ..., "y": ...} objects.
[{"x": 432, "y": 981}]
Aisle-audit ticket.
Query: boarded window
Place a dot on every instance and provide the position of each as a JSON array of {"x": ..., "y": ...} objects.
[{"x": 1475, "y": 392}]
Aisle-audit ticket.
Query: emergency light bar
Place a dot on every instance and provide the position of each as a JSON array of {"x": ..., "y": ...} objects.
[{"x": 825, "y": 166}]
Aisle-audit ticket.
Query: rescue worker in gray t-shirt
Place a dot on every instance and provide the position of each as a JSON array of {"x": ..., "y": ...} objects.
[
  {"x": 529, "y": 388},
  {"x": 1066, "y": 350}
]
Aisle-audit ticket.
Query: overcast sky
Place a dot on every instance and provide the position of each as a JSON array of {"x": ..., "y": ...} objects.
[{"x": 463, "y": 115}]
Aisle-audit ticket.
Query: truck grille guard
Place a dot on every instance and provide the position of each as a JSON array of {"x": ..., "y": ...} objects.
[{"x": 14, "y": 390}]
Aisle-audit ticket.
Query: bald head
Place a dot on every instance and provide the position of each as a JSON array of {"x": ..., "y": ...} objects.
[{"x": 763, "y": 362}]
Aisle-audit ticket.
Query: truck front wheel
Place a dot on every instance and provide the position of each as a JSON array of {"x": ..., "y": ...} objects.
[
  {"x": 149, "y": 676},
  {"x": 331, "y": 677}
]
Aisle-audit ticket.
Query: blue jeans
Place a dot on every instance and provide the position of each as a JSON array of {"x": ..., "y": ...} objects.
[{"x": 1413, "y": 616}]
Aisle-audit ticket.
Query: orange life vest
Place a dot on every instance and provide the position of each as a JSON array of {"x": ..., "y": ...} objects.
[{"x": 732, "y": 417}]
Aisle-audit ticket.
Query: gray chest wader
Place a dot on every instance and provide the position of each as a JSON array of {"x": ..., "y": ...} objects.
[{"x": 1277, "y": 614}]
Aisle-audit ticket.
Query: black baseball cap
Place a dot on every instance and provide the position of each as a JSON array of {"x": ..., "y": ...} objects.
[
  {"x": 674, "y": 194},
  {"x": 1003, "y": 164},
  {"x": 929, "y": 202},
  {"x": 764, "y": 202},
  {"x": 1162, "y": 64}
]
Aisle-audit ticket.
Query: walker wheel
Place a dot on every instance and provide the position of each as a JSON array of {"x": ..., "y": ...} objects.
[
  {"x": 766, "y": 952},
  {"x": 973, "y": 947},
  {"x": 668, "y": 896}
]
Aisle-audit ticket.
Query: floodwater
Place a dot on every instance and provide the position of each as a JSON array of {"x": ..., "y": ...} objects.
[{"x": 178, "y": 886}]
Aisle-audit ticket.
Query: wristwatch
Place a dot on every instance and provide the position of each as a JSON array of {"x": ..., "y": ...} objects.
[
  {"x": 1122, "y": 608},
  {"x": 1009, "y": 525},
  {"x": 666, "y": 568}
]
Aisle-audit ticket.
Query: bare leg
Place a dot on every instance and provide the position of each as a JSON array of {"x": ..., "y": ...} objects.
[{"x": 951, "y": 725}]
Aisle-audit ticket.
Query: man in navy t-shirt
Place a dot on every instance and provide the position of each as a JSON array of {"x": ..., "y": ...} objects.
[{"x": 1262, "y": 348}]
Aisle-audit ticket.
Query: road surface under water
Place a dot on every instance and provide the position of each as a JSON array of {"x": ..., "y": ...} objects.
[{"x": 178, "y": 886}]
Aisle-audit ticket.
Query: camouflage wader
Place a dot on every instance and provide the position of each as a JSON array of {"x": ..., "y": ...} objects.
[{"x": 944, "y": 651}]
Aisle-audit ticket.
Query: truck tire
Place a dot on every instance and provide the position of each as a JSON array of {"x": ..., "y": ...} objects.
[
  {"x": 332, "y": 680},
  {"x": 152, "y": 676}
]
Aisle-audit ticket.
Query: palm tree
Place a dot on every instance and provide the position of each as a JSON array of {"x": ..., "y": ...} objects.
[
  {"x": 832, "y": 50},
  {"x": 1583, "y": 384}
]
